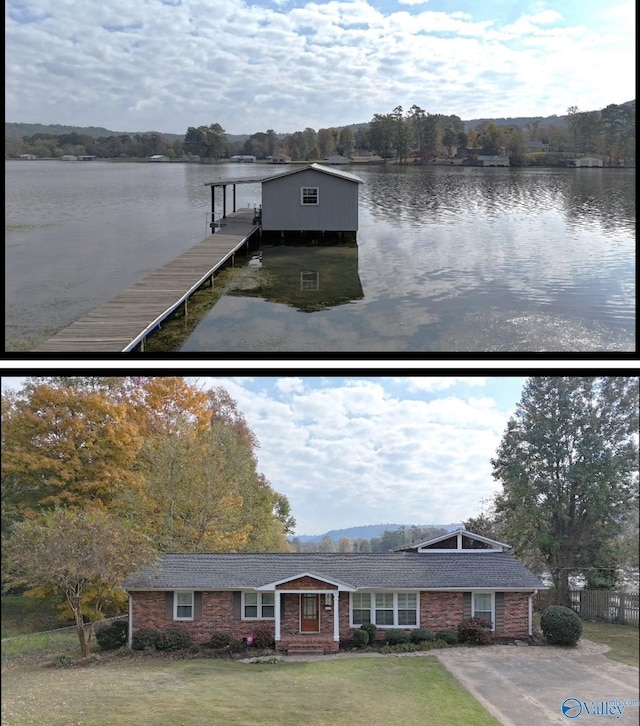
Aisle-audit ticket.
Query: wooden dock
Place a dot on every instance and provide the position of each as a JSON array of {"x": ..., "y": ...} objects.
[{"x": 123, "y": 324}]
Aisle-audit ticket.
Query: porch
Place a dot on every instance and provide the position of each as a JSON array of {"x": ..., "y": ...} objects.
[{"x": 306, "y": 615}]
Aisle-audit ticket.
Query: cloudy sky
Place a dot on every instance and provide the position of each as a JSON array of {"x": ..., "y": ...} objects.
[
  {"x": 165, "y": 65},
  {"x": 350, "y": 451}
]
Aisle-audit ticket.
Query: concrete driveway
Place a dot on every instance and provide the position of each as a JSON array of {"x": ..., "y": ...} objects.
[{"x": 528, "y": 685}]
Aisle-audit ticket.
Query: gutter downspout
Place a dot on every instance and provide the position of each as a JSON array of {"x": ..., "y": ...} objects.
[
  {"x": 533, "y": 594},
  {"x": 130, "y": 633}
]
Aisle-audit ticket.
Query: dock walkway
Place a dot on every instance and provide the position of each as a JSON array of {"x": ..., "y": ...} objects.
[{"x": 123, "y": 324}]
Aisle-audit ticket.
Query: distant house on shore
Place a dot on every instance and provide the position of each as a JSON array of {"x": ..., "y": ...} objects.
[
  {"x": 586, "y": 161},
  {"x": 68, "y": 157},
  {"x": 496, "y": 160},
  {"x": 243, "y": 158},
  {"x": 536, "y": 146},
  {"x": 86, "y": 157},
  {"x": 338, "y": 159},
  {"x": 158, "y": 157},
  {"x": 28, "y": 157},
  {"x": 280, "y": 159}
]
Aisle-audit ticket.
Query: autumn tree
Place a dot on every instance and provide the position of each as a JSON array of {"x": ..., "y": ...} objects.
[
  {"x": 174, "y": 459},
  {"x": 84, "y": 556},
  {"x": 568, "y": 466},
  {"x": 65, "y": 446}
]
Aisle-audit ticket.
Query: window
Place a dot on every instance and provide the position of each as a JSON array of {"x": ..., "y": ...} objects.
[
  {"x": 361, "y": 608},
  {"x": 482, "y": 606},
  {"x": 183, "y": 604},
  {"x": 407, "y": 606},
  {"x": 309, "y": 195},
  {"x": 258, "y": 605},
  {"x": 385, "y": 609}
]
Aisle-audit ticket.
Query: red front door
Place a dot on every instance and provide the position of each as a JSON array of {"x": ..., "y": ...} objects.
[{"x": 309, "y": 614}]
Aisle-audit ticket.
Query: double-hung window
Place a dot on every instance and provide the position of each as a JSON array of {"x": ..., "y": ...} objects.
[
  {"x": 483, "y": 606},
  {"x": 309, "y": 195},
  {"x": 385, "y": 609},
  {"x": 258, "y": 605},
  {"x": 183, "y": 606}
]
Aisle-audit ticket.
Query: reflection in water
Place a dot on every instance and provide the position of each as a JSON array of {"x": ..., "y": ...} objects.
[
  {"x": 308, "y": 278},
  {"x": 448, "y": 259}
]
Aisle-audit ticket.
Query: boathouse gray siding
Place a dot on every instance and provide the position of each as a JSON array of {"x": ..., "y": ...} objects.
[{"x": 336, "y": 211}]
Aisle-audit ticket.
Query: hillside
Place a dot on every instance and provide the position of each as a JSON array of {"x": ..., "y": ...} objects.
[
  {"x": 19, "y": 130},
  {"x": 367, "y": 531}
]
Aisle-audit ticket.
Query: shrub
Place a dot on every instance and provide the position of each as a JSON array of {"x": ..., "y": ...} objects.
[
  {"x": 476, "y": 631},
  {"x": 421, "y": 636},
  {"x": 263, "y": 637},
  {"x": 449, "y": 636},
  {"x": 236, "y": 646},
  {"x": 360, "y": 638},
  {"x": 219, "y": 641},
  {"x": 112, "y": 636},
  {"x": 561, "y": 625},
  {"x": 174, "y": 638},
  {"x": 395, "y": 637},
  {"x": 145, "y": 639},
  {"x": 372, "y": 629},
  {"x": 62, "y": 661}
]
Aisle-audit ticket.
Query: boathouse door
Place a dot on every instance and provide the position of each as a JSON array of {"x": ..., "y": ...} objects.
[{"x": 309, "y": 613}]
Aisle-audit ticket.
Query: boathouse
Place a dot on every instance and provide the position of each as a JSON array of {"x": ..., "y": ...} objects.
[
  {"x": 314, "y": 198},
  {"x": 585, "y": 161}
]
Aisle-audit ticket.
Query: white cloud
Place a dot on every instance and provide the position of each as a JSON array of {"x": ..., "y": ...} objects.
[
  {"x": 363, "y": 451},
  {"x": 155, "y": 66}
]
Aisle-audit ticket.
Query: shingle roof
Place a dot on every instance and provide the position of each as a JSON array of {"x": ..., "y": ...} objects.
[{"x": 458, "y": 570}]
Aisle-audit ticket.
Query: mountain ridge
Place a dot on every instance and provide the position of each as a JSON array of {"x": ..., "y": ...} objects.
[
  {"x": 19, "y": 129},
  {"x": 365, "y": 531}
]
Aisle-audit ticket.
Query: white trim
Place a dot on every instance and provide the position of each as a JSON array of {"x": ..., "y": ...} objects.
[
  {"x": 175, "y": 604},
  {"x": 336, "y": 616},
  {"x": 492, "y": 593},
  {"x": 496, "y": 546},
  {"x": 320, "y": 578},
  {"x": 308, "y": 189},
  {"x": 259, "y": 605},
  {"x": 372, "y": 608},
  {"x": 277, "y": 616}
]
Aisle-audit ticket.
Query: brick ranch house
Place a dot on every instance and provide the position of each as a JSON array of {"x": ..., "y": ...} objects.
[{"x": 313, "y": 601}]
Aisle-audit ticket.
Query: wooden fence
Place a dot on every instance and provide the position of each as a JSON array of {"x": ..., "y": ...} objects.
[{"x": 609, "y": 605}]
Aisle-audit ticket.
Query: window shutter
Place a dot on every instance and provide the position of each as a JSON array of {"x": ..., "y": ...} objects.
[
  {"x": 466, "y": 604},
  {"x": 237, "y": 605},
  {"x": 169, "y": 605},
  {"x": 499, "y": 611},
  {"x": 197, "y": 605}
]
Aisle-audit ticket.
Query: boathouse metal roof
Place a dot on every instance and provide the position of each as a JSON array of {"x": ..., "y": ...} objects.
[{"x": 257, "y": 180}]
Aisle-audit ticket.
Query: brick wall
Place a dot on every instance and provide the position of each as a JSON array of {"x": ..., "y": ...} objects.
[
  {"x": 438, "y": 611},
  {"x": 149, "y": 611}
]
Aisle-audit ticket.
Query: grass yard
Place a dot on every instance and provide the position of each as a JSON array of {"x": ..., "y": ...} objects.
[
  {"x": 404, "y": 691},
  {"x": 623, "y": 639}
]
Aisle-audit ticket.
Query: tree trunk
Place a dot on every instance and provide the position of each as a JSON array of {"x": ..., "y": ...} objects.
[{"x": 561, "y": 592}]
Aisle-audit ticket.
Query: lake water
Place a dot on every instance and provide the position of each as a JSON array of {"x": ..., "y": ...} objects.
[{"x": 447, "y": 260}]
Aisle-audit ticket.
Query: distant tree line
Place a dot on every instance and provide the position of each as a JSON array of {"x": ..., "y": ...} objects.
[
  {"x": 415, "y": 135},
  {"x": 384, "y": 543}
]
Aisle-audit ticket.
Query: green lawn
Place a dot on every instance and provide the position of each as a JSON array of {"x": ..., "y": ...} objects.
[
  {"x": 623, "y": 640},
  {"x": 403, "y": 691}
]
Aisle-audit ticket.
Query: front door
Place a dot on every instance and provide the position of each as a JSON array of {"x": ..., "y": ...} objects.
[{"x": 309, "y": 614}]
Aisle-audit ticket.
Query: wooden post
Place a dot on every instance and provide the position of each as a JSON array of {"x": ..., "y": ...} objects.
[
  {"x": 213, "y": 208},
  {"x": 234, "y": 197},
  {"x": 224, "y": 200}
]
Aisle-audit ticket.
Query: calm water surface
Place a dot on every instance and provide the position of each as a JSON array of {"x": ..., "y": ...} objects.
[{"x": 447, "y": 259}]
